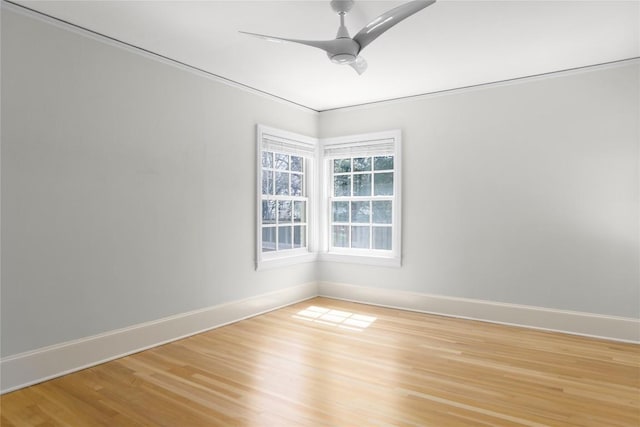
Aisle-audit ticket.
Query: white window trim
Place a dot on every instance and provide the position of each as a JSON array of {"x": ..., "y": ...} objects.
[
  {"x": 318, "y": 191},
  {"x": 369, "y": 257},
  {"x": 270, "y": 260}
]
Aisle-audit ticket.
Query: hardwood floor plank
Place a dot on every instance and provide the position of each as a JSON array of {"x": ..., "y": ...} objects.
[{"x": 302, "y": 366}]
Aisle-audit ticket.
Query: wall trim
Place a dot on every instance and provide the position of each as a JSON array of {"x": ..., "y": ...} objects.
[
  {"x": 86, "y": 32},
  {"x": 32, "y": 367},
  {"x": 489, "y": 85},
  {"x": 614, "y": 328}
]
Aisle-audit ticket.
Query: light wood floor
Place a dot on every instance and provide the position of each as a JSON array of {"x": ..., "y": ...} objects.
[{"x": 405, "y": 369}]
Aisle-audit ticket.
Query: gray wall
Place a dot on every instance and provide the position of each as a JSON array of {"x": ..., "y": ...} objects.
[
  {"x": 525, "y": 193},
  {"x": 128, "y": 190},
  {"x": 128, "y": 187}
]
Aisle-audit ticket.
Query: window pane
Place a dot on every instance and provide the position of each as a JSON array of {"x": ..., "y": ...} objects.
[
  {"x": 282, "y": 183},
  {"x": 268, "y": 239},
  {"x": 340, "y": 236},
  {"x": 360, "y": 237},
  {"x": 267, "y": 182},
  {"x": 342, "y": 165},
  {"x": 361, "y": 164},
  {"x": 342, "y": 185},
  {"x": 299, "y": 212},
  {"x": 383, "y": 184},
  {"x": 284, "y": 238},
  {"x": 282, "y": 161},
  {"x": 360, "y": 212},
  {"x": 268, "y": 212},
  {"x": 382, "y": 211},
  {"x": 284, "y": 211},
  {"x": 340, "y": 211},
  {"x": 299, "y": 236},
  {"x": 362, "y": 184},
  {"x": 267, "y": 159},
  {"x": 383, "y": 163},
  {"x": 296, "y": 184},
  {"x": 382, "y": 238},
  {"x": 296, "y": 163}
]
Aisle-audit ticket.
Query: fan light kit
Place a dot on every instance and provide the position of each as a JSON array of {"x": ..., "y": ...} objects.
[{"x": 344, "y": 50}]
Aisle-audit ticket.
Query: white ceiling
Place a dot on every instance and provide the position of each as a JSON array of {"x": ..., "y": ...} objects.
[{"x": 448, "y": 45}]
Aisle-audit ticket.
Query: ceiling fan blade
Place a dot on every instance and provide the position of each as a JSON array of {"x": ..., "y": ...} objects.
[
  {"x": 360, "y": 65},
  {"x": 326, "y": 45},
  {"x": 382, "y": 23}
]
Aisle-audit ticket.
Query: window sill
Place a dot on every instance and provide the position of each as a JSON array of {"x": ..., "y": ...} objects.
[
  {"x": 286, "y": 260},
  {"x": 361, "y": 259}
]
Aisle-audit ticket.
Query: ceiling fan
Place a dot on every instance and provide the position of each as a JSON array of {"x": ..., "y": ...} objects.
[{"x": 345, "y": 50}]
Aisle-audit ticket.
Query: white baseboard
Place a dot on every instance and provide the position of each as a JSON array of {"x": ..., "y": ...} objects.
[
  {"x": 39, "y": 365},
  {"x": 572, "y": 322}
]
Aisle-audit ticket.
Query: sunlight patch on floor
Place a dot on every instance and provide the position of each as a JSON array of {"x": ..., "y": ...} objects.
[{"x": 341, "y": 319}]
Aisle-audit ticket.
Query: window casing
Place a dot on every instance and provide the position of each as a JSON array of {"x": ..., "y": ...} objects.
[
  {"x": 361, "y": 200},
  {"x": 285, "y": 189}
]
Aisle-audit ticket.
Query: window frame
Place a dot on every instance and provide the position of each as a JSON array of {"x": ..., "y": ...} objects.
[
  {"x": 298, "y": 145},
  {"x": 392, "y": 258}
]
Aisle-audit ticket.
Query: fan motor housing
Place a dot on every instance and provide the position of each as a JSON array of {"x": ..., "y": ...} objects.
[
  {"x": 343, "y": 58},
  {"x": 345, "y": 51}
]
